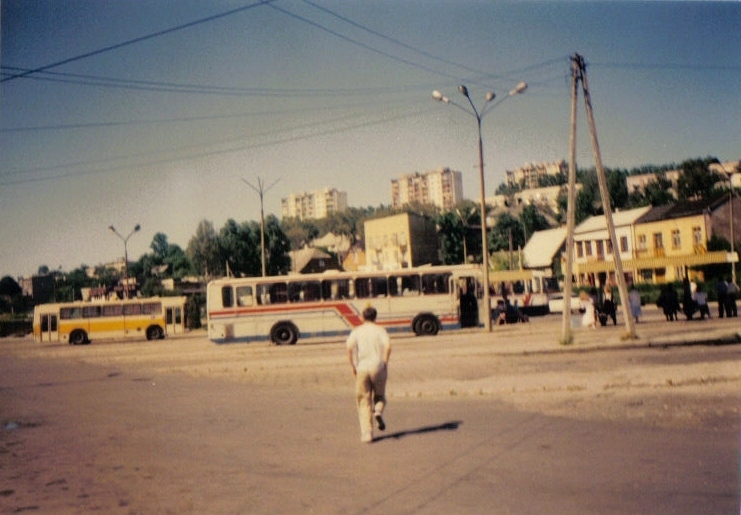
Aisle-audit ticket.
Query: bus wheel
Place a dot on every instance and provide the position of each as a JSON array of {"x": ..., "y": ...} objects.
[
  {"x": 155, "y": 332},
  {"x": 78, "y": 337},
  {"x": 284, "y": 333},
  {"x": 426, "y": 325}
]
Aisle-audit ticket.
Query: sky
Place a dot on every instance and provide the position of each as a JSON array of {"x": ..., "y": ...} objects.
[{"x": 160, "y": 112}]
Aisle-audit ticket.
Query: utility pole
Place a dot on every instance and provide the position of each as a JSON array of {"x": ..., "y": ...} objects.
[
  {"x": 566, "y": 337},
  {"x": 261, "y": 190},
  {"x": 605, "y": 194}
]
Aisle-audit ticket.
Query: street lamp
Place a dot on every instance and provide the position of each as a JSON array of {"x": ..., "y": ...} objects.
[
  {"x": 126, "y": 255},
  {"x": 488, "y": 106}
]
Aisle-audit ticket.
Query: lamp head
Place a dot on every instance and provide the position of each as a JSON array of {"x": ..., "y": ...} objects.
[
  {"x": 439, "y": 97},
  {"x": 520, "y": 88},
  {"x": 137, "y": 228},
  {"x": 464, "y": 90},
  {"x": 111, "y": 228},
  {"x": 490, "y": 96}
]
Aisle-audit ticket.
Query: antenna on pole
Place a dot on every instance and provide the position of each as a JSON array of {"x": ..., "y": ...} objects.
[{"x": 260, "y": 189}]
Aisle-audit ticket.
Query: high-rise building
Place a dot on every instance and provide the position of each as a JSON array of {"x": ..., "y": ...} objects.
[
  {"x": 315, "y": 204},
  {"x": 530, "y": 174},
  {"x": 442, "y": 187}
]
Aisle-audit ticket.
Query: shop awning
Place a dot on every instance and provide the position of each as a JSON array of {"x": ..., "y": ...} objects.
[{"x": 690, "y": 260}]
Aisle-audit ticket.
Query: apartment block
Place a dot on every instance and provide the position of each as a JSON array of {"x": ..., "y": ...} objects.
[
  {"x": 442, "y": 187},
  {"x": 530, "y": 174},
  {"x": 315, "y": 204}
]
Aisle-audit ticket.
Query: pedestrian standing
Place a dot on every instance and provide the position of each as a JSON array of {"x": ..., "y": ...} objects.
[
  {"x": 369, "y": 349},
  {"x": 721, "y": 291},
  {"x": 731, "y": 293},
  {"x": 586, "y": 307},
  {"x": 634, "y": 300},
  {"x": 608, "y": 304}
]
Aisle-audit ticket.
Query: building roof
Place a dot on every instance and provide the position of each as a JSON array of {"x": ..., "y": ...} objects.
[
  {"x": 302, "y": 257},
  {"x": 542, "y": 246},
  {"x": 619, "y": 219},
  {"x": 683, "y": 209}
]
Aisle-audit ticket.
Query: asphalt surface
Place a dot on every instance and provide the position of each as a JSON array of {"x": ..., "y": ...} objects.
[{"x": 190, "y": 427}]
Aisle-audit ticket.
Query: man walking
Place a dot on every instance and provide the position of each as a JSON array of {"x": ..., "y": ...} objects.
[{"x": 368, "y": 349}]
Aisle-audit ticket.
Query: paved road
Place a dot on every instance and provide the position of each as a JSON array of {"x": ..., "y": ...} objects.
[{"x": 507, "y": 423}]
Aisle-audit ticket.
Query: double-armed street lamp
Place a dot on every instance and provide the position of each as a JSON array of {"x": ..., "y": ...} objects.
[
  {"x": 488, "y": 106},
  {"x": 126, "y": 255}
]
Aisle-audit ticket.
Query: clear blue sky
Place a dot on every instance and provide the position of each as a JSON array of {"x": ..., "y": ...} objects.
[{"x": 153, "y": 111}]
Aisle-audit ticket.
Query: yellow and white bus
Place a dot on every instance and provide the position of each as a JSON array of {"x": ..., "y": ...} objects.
[
  {"x": 80, "y": 322},
  {"x": 283, "y": 309}
]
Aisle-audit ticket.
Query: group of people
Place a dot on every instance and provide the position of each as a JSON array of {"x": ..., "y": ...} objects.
[
  {"x": 594, "y": 308},
  {"x": 695, "y": 300}
]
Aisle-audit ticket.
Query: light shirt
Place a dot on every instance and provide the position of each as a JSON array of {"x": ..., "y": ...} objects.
[{"x": 368, "y": 343}]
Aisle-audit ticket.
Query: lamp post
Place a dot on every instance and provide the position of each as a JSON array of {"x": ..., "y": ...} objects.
[
  {"x": 729, "y": 175},
  {"x": 126, "y": 255},
  {"x": 439, "y": 97}
]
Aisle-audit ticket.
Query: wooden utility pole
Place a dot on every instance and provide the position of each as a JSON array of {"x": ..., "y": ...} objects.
[
  {"x": 566, "y": 336},
  {"x": 261, "y": 190},
  {"x": 581, "y": 74}
]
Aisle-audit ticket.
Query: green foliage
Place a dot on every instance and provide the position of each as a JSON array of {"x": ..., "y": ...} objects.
[
  {"x": 697, "y": 180},
  {"x": 193, "y": 308}
]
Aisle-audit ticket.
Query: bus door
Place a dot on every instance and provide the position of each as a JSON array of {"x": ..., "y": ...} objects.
[
  {"x": 49, "y": 327},
  {"x": 469, "y": 308},
  {"x": 174, "y": 320}
]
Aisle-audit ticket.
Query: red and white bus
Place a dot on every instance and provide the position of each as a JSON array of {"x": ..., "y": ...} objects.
[{"x": 282, "y": 309}]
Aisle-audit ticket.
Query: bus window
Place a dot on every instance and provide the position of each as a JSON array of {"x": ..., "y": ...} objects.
[
  {"x": 70, "y": 313},
  {"x": 305, "y": 291},
  {"x": 369, "y": 287},
  {"x": 311, "y": 291},
  {"x": 278, "y": 293},
  {"x": 227, "y": 298},
  {"x": 91, "y": 312},
  {"x": 433, "y": 284},
  {"x": 132, "y": 309},
  {"x": 114, "y": 310},
  {"x": 151, "y": 308},
  {"x": 336, "y": 289},
  {"x": 244, "y": 295},
  {"x": 404, "y": 285}
]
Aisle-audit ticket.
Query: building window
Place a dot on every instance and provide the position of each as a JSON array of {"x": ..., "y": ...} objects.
[
  {"x": 579, "y": 249},
  {"x": 588, "y": 248},
  {"x": 600, "y": 248},
  {"x": 623, "y": 244},
  {"x": 608, "y": 246},
  {"x": 641, "y": 242},
  {"x": 676, "y": 239},
  {"x": 658, "y": 241},
  {"x": 697, "y": 235}
]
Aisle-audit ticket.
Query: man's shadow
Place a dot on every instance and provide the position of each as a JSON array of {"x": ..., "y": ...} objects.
[{"x": 447, "y": 426}]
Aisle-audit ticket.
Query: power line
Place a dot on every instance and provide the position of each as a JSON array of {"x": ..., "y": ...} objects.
[
  {"x": 362, "y": 45},
  {"x": 240, "y": 148},
  {"x": 136, "y": 40}
]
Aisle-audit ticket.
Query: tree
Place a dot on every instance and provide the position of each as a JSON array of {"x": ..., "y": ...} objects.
[
  {"x": 532, "y": 220},
  {"x": 239, "y": 245},
  {"x": 508, "y": 228},
  {"x": 697, "y": 180},
  {"x": 160, "y": 247},
  {"x": 278, "y": 260},
  {"x": 9, "y": 287},
  {"x": 617, "y": 187},
  {"x": 203, "y": 250}
]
